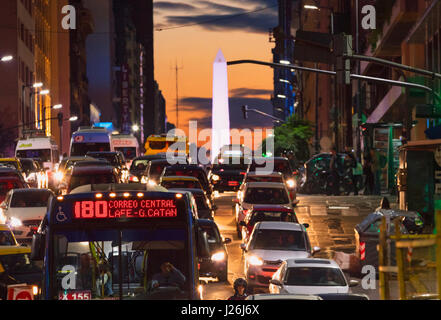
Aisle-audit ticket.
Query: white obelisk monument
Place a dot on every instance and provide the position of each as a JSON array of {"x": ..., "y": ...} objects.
[{"x": 220, "y": 134}]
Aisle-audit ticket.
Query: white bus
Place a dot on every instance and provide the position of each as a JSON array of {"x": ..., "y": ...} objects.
[
  {"x": 90, "y": 139},
  {"x": 127, "y": 144},
  {"x": 39, "y": 147}
]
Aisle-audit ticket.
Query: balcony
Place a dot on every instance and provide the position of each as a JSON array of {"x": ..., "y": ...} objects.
[{"x": 403, "y": 17}]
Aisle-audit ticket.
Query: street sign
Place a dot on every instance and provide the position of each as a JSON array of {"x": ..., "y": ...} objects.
[{"x": 427, "y": 111}]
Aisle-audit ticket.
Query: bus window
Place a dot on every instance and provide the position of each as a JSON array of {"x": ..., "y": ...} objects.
[
  {"x": 43, "y": 154},
  {"x": 81, "y": 149}
]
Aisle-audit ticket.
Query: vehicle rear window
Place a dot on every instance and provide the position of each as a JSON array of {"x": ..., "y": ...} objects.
[
  {"x": 139, "y": 165},
  {"x": 6, "y": 238},
  {"x": 266, "y": 196},
  {"x": 270, "y": 216},
  {"x": 271, "y": 239},
  {"x": 30, "y": 199},
  {"x": 314, "y": 276},
  {"x": 176, "y": 184},
  {"x": 264, "y": 179},
  {"x": 157, "y": 145},
  {"x": 282, "y": 166},
  {"x": 77, "y": 181},
  {"x": 187, "y": 173},
  {"x": 111, "y": 158}
]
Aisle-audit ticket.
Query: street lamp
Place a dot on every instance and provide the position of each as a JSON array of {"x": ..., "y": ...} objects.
[
  {"x": 135, "y": 128},
  {"x": 73, "y": 118},
  {"x": 7, "y": 58}
]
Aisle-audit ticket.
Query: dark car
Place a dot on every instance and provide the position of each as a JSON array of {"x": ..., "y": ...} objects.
[
  {"x": 155, "y": 170},
  {"x": 260, "y": 213},
  {"x": 32, "y": 170},
  {"x": 10, "y": 179},
  {"x": 217, "y": 264},
  {"x": 205, "y": 208},
  {"x": 116, "y": 159},
  {"x": 367, "y": 232},
  {"x": 191, "y": 170},
  {"x": 80, "y": 176},
  {"x": 228, "y": 174}
]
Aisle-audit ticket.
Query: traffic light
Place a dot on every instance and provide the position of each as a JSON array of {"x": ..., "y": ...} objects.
[
  {"x": 60, "y": 119},
  {"x": 342, "y": 49},
  {"x": 245, "y": 112}
]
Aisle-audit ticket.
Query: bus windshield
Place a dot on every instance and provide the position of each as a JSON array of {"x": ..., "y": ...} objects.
[
  {"x": 43, "y": 154},
  {"x": 120, "y": 263},
  {"x": 81, "y": 149}
]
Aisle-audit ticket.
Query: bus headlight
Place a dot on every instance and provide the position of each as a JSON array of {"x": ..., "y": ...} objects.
[
  {"x": 15, "y": 222},
  {"x": 219, "y": 256},
  {"x": 290, "y": 183},
  {"x": 35, "y": 290},
  {"x": 255, "y": 261}
]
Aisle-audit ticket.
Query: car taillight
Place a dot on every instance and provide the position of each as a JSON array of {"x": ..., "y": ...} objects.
[{"x": 362, "y": 251}]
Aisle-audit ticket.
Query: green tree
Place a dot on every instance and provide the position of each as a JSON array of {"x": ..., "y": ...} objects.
[{"x": 293, "y": 135}]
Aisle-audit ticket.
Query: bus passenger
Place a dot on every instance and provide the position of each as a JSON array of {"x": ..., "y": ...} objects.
[
  {"x": 104, "y": 279},
  {"x": 169, "y": 276},
  {"x": 85, "y": 272}
]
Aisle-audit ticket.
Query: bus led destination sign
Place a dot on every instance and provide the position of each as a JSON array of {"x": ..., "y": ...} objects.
[{"x": 116, "y": 209}]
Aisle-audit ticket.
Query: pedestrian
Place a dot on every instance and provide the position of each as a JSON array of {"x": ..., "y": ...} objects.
[
  {"x": 384, "y": 204},
  {"x": 240, "y": 287},
  {"x": 350, "y": 165},
  {"x": 367, "y": 171},
  {"x": 357, "y": 176},
  {"x": 333, "y": 168}
]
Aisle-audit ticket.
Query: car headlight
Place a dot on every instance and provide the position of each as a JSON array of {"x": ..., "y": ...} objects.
[
  {"x": 134, "y": 179},
  {"x": 15, "y": 222},
  {"x": 291, "y": 183},
  {"x": 59, "y": 176},
  {"x": 255, "y": 261},
  {"x": 152, "y": 183},
  {"x": 219, "y": 256},
  {"x": 215, "y": 177}
]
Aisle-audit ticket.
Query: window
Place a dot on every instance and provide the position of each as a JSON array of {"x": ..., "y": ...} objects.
[
  {"x": 266, "y": 196},
  {"x": 30, "y": 199},
  {"x": 285, "y": 240},
  {"x": 315, "y": 276}
]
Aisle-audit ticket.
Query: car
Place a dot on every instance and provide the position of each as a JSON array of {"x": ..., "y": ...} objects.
[
  {"x": 12, "y": 163},
  {"x": 191, "y": 170},
  {"x": 16, "y": 268},
  {"x": 10, "y": 179},
  {"x": 270, "y": 244},
  {"x": 260, "y": 213},
  {"x": 271, "y": 177},
  {"x": 310, "y": 276},
  {"x": 259, "y": 193},
  {"x": 180, "y": 182},
  {"x": 24, "y": 209},
  {"x": 276, "y": 164},
  {"x": 35, "y": 175},
  {"x": 215, "y": 266},
  {"x": 7, "y": 237},
  {"x": 116, "y": 159},
  {"x": 227, "y": 174},
  {"x": 78, "y": 176},
  {"x": 270, "y": 296},
  {"x": 154, "y": 171},
  {"x": 139, "y": 165},
  {"x": 204, "y": 206},
  {"x": 65, "y": 164}
]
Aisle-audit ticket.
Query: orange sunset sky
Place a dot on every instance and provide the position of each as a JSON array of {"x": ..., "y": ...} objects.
[{"x": 194, "y": 48}]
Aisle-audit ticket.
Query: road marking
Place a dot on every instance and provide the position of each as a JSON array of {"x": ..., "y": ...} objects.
[{"x": 318, "y": 210}]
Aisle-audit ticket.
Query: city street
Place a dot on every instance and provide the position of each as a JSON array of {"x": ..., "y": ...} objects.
[{"x": 331, "y": 219}]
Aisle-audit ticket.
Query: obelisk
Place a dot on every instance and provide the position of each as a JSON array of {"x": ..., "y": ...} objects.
[{"x": 220, "y": 134}]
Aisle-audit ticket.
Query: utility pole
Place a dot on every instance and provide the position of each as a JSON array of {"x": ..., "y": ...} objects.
[{"x": 177, "y": 92}]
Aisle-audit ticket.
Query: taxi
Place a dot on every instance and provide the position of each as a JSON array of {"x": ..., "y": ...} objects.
[
  {"x": 11, "y": 162},
  {"x": 7, "y": 237}
]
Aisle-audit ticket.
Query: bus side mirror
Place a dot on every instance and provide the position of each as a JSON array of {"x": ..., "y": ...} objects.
[{"x": 38, "y": 247}]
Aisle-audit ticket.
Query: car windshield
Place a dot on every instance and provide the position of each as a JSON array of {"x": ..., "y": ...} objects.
[
  {"x": 266, "y": 196},
  {"x": 315, "y": 277},
  {"x": 78, "y": 269},
  {"x": 9, "y": 185},
  {"x": 19, "y": 264},
  {"x": 37, "y": 198},
  {"x": 177, "y": 184},
  {"x": 270, "y": 239},
  {"x": 77, "y": 181},
  {"x": 10, "y": 164},
  {"x": 139, "y": 165},
  {"x": 111, "y": 158},
  {"x": 129, "y": 152},
  {"x": 6, "y": 238},
  {"x": 81, "y": 149},
  {"x": 43, "y": 154}
]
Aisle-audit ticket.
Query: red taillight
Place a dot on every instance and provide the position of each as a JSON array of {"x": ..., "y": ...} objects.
[
  {"x": 233, "y": 183},
  {"x": 243, "y": 173}
]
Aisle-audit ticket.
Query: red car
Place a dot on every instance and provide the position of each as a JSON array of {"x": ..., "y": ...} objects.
[
  {"x": 9, "y": 183},
  {"x": 260, "y": 213}
]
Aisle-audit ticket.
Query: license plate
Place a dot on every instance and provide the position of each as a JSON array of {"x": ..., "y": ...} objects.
[{"x": 75, "y": 295}]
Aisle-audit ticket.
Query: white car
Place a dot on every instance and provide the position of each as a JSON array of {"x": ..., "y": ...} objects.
[
  {"x": 23, "y": 210},
  {"x": 257, "y": 193},
  {"x": 270, "y": 244},
  {"x": 310, "y": 276}
]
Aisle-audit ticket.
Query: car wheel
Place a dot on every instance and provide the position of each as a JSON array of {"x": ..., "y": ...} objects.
[{"x": 223, "y": 276}]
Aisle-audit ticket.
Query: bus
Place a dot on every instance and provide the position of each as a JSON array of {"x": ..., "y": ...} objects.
[
  {"x": 128, "y": 145},
  {"x": 157, "y": 144},
  {"x": 126, "y": 233},
  {"x": 90, "y": 139},
  {"x": 41, "y": 148}
]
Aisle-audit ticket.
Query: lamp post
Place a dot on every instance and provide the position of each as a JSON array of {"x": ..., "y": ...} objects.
[
  {"x": 23, "y": 89},
  {"x": 55, "y": 107}
]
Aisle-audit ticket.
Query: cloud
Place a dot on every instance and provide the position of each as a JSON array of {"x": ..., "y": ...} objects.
[
  {"x": 165, "y": 5},
  {"x": 247, "y": 92},
  {"x": 202, "y": 108},
  {"x": 219, "y": 7}
]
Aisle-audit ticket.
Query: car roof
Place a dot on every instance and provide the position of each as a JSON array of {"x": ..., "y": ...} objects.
[
  {"x": 265, "y": 185},
  {"x": 92, "y": 169},
  {"x": 174, "y": 178},
  {"x": 8, "y": 159},
  {"x": 31, "y": 190},
  {"x": 279, "y": 225},
  {"x": 273, "y": 174},
  {"x": 271, "y": 207},
  {"x": 117, "y": 187},
  {"x": 186, "y": 167},
  {"x": 312, "y": 262}
]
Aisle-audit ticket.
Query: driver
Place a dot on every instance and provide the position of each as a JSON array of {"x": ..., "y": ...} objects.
[{"x": 169, "y": 276}]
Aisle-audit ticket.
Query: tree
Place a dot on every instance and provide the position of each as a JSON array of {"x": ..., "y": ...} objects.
[{"x": 293, "y": 135}]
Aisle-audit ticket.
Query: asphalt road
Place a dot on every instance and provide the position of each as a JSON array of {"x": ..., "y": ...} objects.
[{"x": 331, "y": 219}]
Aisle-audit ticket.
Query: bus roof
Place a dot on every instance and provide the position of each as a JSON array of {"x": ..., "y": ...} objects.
[{"x": 118, "y": 187}]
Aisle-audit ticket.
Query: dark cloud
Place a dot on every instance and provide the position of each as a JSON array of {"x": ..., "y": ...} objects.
[
  {"x": 198, "y": 105},
  {"x": 165, "y": 5},
  {"x": 219, "y": 7},
  {"x": 241, "y": 92}
]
